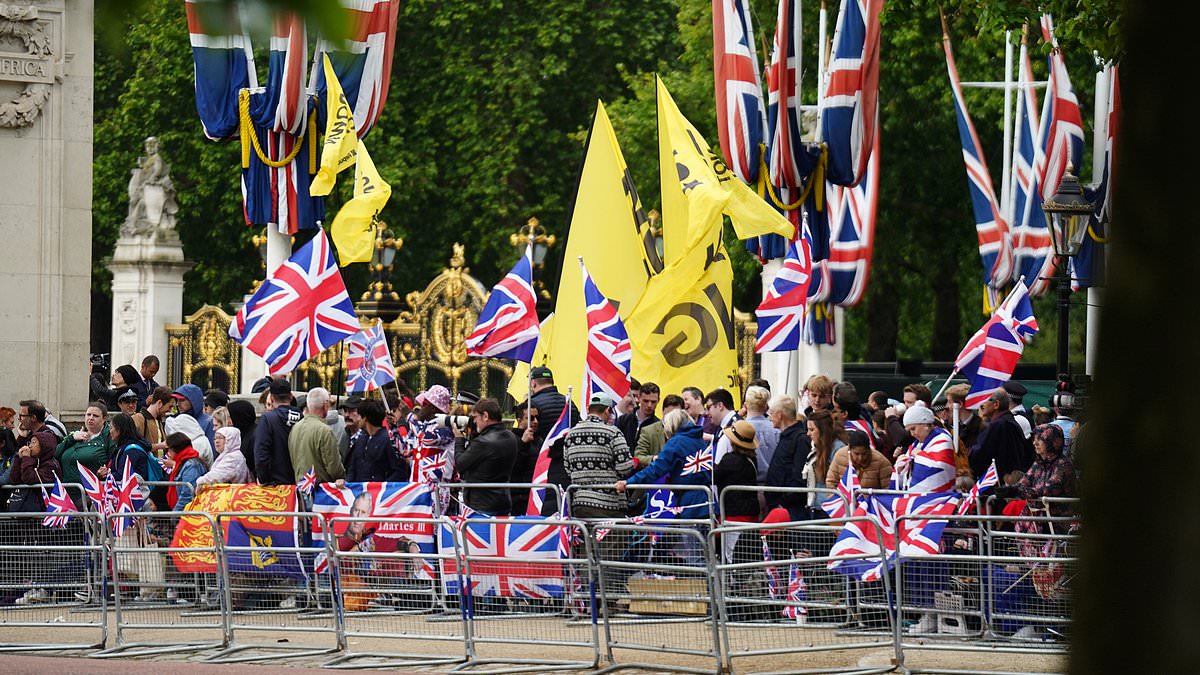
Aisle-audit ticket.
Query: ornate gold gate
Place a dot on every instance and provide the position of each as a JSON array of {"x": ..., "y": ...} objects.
[{"x": 201, "y": 352}]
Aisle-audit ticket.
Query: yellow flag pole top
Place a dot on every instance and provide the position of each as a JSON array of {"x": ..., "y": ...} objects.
[
  {"x": 353, "y": 228},
  {"x": 341, "y": 139}
]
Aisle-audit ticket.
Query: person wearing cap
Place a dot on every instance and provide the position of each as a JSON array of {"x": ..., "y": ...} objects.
[
  {"x": 739, "y": 466},
  {"x": 928, "y": 464},
  {"x": 487, "y": 456},
  {"x": 597, "y": 453},
  {"x": 1001, "y": 439},
  {"x": 549, "y": 403},
  {"x": 127, "y": 401},
  {"x": 1016, "y": 397},
  {"x": 873, "y": 470},
  {"x": 426, "y": 438},
  {"x": 349, "y": 408},
  {"x": 272, "y": 459}
]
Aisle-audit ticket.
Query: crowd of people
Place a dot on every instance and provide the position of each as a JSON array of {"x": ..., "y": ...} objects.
[{"x": 187, "y": 438}]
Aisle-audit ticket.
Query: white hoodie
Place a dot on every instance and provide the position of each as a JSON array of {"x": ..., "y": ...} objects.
[{"x": 186, "y": 424}]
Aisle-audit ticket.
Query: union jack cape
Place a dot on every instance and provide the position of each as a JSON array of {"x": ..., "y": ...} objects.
[
  {"x": 930, "y": 466},
  {"x": 299, "y": 311},
  {"x": 781, "y": 313},
  {"x": 741, "y": 116},
  {"x": 609, "y": 354},
  {"x": 851, "y": 103},
  {"x": 995, "y": 246},
  {"x": 368, "y": 361},
  {"x": 508, "y": 325}
]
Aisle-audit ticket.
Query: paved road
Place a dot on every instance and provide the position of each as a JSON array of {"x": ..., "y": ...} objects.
[{"x": 20, "y": 664}]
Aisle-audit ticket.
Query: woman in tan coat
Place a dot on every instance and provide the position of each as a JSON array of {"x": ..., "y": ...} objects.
[{"x": 874, "y": 471}]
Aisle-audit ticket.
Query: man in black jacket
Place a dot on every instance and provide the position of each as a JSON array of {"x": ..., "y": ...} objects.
[
  {"x": 791, "y": 454},
  {"x": 272, "y": 461},
  {"x": 487, "y": 457},
  {"x": 549, "y": 405},
  {"x": 372, "y": 456},
  {"x": 1001, "y": 440}
]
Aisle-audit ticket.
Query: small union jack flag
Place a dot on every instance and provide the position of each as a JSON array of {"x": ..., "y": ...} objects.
[
  {"x": 701, "y": 460},
  {"x": 770, "y": 570},
  {"x": 368, "y": 361},
  {"x": 781, "y": 313},
  {"x": 797, "y": 592},
  {"x": 94, "y": 488},
  {"x": 606, "y": 368},
  {"x": 508, "y": 325},
  {"x": 58, "y": 504},
  {"x": 308, "y": 482},
  {"x": 128, "y": 499},
  {"x": 991, "y": 478},
  {"x": 839, "y": 505}
]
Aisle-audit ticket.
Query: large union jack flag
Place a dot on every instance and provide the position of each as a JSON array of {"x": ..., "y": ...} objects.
[
  {"x": 1033, "y": 252},
  {"x": 781, "y": 313},
  {"x": 383, "y": 500},
  {"x": 608, "y": 351},
  {"x": 509, "y": 557},
  {"x": 851, "y": 101},
  {"x": 508, "y": 325},
  {"x": 58, "y": 505},
  {"x": 368, "y": 361},
  {"x": 886, "y": 535},
  {"x": 363, "y": 60},
  {"x": 995, "y": 246},
  {"x": 852, "y": 229},
  {"x": 1062, "y": 128},
  {"x": 741, "y": 116},
  {"x": 541, "y": 468},
  {"x": 990, "y": 356},
  {"x": 299, "y": 311},
  {"x": 224, "y": 64}
]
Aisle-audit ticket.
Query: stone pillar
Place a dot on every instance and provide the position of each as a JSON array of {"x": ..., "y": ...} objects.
[
  {"x": 147, "y": 264},
  {"x": 46, "y": 201}
]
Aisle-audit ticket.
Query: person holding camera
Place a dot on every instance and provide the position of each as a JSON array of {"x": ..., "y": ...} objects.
[{"x": 485, "y": 452}]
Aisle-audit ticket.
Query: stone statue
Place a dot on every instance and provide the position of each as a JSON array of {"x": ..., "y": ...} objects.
[{"x": 152, "y": 205}]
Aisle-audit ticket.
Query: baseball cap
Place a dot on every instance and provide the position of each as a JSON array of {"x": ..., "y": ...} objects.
[
  {"x": 280, "y": 388},
  {"x": 351, "y": 403},
  {"x": 541, "y": 373},
  {"x": 600, "y": 398}
]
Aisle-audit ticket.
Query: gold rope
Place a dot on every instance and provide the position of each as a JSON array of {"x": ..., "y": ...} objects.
[
  {"x": 1095, "y": 237},
  {"x": 815, "y": 181},
  {"x": 247, "y": 129}
]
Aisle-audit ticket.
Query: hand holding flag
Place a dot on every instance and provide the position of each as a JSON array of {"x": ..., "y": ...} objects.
[{"x": 308, "y": 482}]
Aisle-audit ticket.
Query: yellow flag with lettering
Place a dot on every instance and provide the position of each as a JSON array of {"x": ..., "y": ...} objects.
[
  {"x": 610, "y": 230},
  {"x": 341, "y": 139},
  {"x": 353, "y": 228},
  {"x": 682, "y": 330}
]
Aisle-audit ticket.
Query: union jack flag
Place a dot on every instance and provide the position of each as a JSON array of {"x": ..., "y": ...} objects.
[
  {"x": 427, "y": 443},
  {"x": 781, "y": 313},
  {"x": 299, "y": 311},
  {"x": 1062, "y": 128},
  {"x": 852, "y": 222},
  {"x": 94, "y": 488},
  {"x": 851, "y": 101},
  {"x": 894, "y": 536},
  {"x": 541, "y": 468},
  {"x": 1033, "y": 252},
  {"x": 383, "y": 500},
  {"x": 931, "y": 464},
  {"x": 701, "y": 460},
  {"x": 991, "y": 478},
  {"x": 741, "y": 116},
  {"x": 509, "y": 557},
  {"x": 508, "y": 325},
  {"x": 770, "y": 571},
  {"x": 128, "y": 499},
  {"x": 839, "y": 504},
  {"x": 363, "y": 60},
  {"x": 995, "y": 246},
  {"x": 58, "y": 504},
  {"x": 224, "y": 65},
  {"x": 863, "y": 426},
  {"x": 608, "y": 351},
  {"x": 369, "y": 363},
  {"x": 797, "y": 594},
  {"x": 991, "y": 355},
  {"x": 308, "y": 482}
]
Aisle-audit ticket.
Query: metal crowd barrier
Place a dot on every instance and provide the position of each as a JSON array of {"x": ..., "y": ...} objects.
[
  {"x": 159, "y": 609},
  {"x": 458, "y": 502},
  {"x": 389, "y": 589},
  {"x": 269, "y": 587},
  {"x": 51, "y": 597},
  {"x": 779, "y": 597}
]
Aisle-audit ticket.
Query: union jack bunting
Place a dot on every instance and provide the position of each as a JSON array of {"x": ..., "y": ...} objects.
[
  {"x": 851, "y": 103},
  {"x": 838, "y": 506},
  {"x": 741, "y": 116},
  {"x": 308, "y": 481},
  {"x": 990, "y": 479},
  {"x": 541, "y": 468},
  {"x": 299, "y": 311},
  {"x": 990, "y": 356},
  {"x": 931, "y": 466},
  {"x": 908, "y": 537},
  {"x": 1062, "y": 127},
  {"x": 223, "y": 65},
  {"x": 781, "y": 313},
  {"x": 1033, "y": 250},
  {"x": 368, "y": 361},
  {"x": 852, "y": 223},
  {"x": 363, "y": 60},
  {"x": 508, "y": 325},
  {"x": 362, "y": 500},
  {"x": 797, "y": 594},
  {"x": 701, "y": 460},
  {"x": 58, "y": 505},
  {"x": 995, "y": 246},
  {"x": 128, "y": 499},
  {"x": 510, "y": 558},
  {"x": 94, "y": 488},
  {"x": 608, "y": 351}
]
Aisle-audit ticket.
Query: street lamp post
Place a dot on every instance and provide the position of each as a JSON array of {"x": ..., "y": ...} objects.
[
  {"x": 381, "y": 300},
  {"x": 1070, "y": 212}
]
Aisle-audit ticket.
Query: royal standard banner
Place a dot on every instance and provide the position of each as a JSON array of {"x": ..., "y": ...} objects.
[{"x": 262, "y": 535}]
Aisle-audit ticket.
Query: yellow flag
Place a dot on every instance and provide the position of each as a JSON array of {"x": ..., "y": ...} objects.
[
  {"x": 341, "y": 139},
  {"x": 610, "y": 230},
  {"x": 682, "y": 329},
  {"x": 353, "y": 228}
]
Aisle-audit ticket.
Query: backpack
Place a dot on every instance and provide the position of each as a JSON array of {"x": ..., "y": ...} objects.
[{"x": 154, "y": 470}]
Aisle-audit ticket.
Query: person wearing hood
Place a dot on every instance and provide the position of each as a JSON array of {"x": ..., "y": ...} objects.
[
  {"x": 127, "y": 378},
  {"x": 186, "y": 468},
  {"x": 90, "y": 446},
  {"x": 684, "y": 439},
  {"x": 272, "y": 461},
  {"x": 190, "y": 401},
  {"x": 186, "y": 424},
  {"x": 244, "y": 418},
  {"x": 230, "y": 464}
]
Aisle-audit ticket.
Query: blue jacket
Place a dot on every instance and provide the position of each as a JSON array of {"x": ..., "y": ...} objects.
[
  {"x": 196, "y": 398},
  {"x": 687, "y": 441},
  {"x": 188, "y": 473}
]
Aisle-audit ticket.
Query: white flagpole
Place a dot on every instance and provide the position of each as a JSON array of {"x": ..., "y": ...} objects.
[{"x": 1006, "y": 160}]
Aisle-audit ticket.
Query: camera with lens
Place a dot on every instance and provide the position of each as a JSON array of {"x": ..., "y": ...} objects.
[{"x": 460, "y": 422}]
